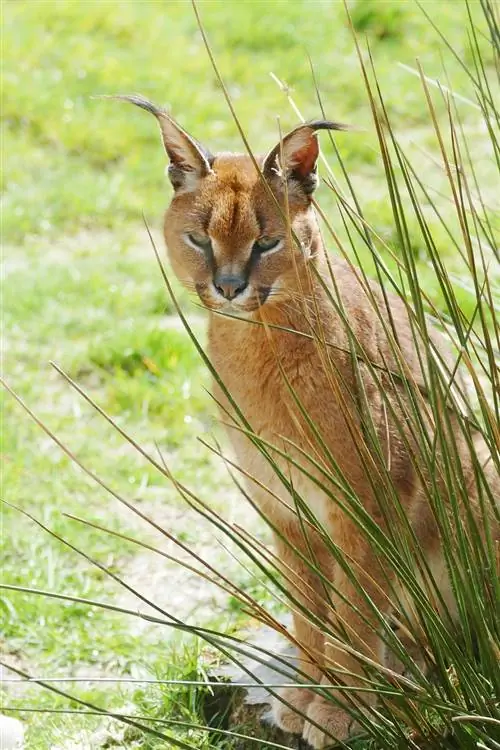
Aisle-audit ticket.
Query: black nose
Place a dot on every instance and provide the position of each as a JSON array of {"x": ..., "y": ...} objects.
[{"x": 230, "y": 286}]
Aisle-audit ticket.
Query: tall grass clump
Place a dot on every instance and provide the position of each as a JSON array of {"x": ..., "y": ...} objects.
[{"x": 443, "y": 690}]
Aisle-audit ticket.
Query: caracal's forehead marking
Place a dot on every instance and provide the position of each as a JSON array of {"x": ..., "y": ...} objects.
[
  {"x": 235, "y": 170},
  {"x": 233, "y": 216},
  {"x": 227, "y": 209}
]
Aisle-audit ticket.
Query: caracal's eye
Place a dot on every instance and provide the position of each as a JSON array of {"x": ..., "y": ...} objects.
[
  {"x": 264, "y": 244},
  {"x": 202, "y": 241}
]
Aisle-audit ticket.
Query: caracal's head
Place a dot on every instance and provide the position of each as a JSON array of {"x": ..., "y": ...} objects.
[{"x": 236, "y": 234}]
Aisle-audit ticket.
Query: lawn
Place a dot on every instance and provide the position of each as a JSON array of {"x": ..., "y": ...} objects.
[{"x": 82, "y": 288}]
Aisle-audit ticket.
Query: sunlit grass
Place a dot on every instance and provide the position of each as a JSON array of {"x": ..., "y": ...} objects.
[{"x": 83, "y": 288}]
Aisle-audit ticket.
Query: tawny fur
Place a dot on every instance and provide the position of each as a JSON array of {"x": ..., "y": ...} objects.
[{"x": 225, "y": 200}]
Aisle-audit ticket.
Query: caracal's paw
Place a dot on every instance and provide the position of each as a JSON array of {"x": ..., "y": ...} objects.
[
  {"x": 333, "y": 724},
  {"x": 292, "y": 718}
]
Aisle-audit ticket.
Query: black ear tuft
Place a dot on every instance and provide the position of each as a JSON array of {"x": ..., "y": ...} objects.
[{"x": 189, "y": 161}]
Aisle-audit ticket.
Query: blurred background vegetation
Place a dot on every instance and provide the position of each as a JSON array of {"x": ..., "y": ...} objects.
[{"x": 81, "y": 287}]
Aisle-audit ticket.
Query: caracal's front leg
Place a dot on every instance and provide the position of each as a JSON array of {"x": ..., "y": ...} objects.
[
  {"x": 306, "y": 588},
  {"x": 327, "y": 721}
]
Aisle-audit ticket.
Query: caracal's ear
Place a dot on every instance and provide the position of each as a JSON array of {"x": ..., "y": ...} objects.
[
  {"x": 189, "y": 161},
  {"x": 295, "y": 157}
]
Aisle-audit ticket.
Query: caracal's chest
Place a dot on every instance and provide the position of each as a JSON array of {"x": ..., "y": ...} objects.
[{"x": 265, "y": 378}]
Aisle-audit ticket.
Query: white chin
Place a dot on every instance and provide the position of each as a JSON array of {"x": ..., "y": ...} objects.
[
  {"x": 232, "y": 308},
  {"x": 243, "y": 314}
]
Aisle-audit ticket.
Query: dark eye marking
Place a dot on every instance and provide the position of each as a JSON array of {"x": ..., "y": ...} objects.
[{"x": 201, "y": 241}]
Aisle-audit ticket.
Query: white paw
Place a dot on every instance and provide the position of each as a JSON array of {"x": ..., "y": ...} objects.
[
  {"x": 333, "y": 724},
  {"x": 292, "y": 718}
]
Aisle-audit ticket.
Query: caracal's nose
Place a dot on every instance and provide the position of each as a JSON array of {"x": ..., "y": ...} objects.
[{"x": 230, "y": 285}]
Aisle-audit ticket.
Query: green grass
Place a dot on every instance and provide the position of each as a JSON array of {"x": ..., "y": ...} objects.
[
  {"x": 83, "y": 289},
  {"x": 73, "y": 162}
]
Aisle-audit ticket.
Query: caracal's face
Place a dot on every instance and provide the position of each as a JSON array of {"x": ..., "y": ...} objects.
[
  {"x": 230, "y": 242},
  {"x": 237, "y": 234}
]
